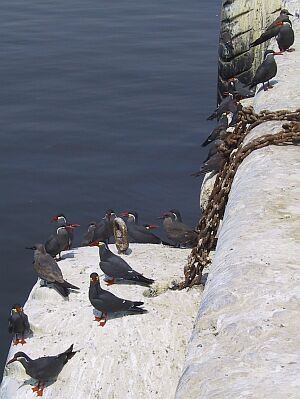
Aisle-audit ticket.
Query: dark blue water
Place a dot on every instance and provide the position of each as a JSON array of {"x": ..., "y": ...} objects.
[{"x": 102, "y": 104}]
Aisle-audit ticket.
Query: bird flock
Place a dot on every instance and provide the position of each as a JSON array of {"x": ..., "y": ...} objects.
[
  {"x": 227, "y": 112},
  {"x": 113, "y": 267}
]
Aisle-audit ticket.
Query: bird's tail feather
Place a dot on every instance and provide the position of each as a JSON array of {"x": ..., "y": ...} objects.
[
  {"x": 142, "y": 279},
  {"x": 61, "y": 289},
  {"x": 138, "y": 310},
  {"x": 69, "y": 285},
  {"x": 138, "y": 303}
]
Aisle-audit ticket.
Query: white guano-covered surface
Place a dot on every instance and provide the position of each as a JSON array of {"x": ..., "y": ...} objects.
[
  {"x": 246, "y": 340},
  {"x": 136, "y": 356}
]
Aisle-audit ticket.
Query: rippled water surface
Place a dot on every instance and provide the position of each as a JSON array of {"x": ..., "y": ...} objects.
[{"x": 103, "y": 104}]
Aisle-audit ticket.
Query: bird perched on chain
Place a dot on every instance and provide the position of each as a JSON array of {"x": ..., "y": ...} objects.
[
  {"x": 60, "y": 241},
  {"x": 106, "y": 302},
  {"x": 48, "y": 270},
  {"x": 214, "y": 164},
  {"x": 18, "y": 324},
  {"x": 140, "y": 234},
  {"x": 43, "y": 369},
  {"x": 180, "y": 233},
  {"x": 228, "y": 104},
  {"x": 114, "y": 267},
  {"x": 220, "y": 130},
  {"x": 61, "y": 221},
  {"x": 266, "y": 71},
  {"x": 101, "y": 231}
]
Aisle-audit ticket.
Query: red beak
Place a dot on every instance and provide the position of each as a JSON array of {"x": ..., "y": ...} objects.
[
  {"x": 54, "y": 219},
  {"x": 278, "y": 53},
  {"x": 74, "y": 225},
  {"x": 11, "y": 361},
  {"x": 152, "y": 226},
  {"x": 94, "y": 244}
]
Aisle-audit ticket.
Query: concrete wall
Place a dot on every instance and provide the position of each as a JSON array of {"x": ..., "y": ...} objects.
[
  {"x": 246, "y": 341},
  {"x": 245, "y": 20}
]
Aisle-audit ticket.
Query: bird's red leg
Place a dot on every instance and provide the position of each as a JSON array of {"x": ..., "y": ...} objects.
[
  {"x": 103, "y": 320},
  {"x": 36, "y": 388},
  {"x": 16, "y": 341},
  {"x": 41, "y": 391},
  {"x": 22, "y": 340},
  {"x": 110, "y": 282},
  {"x": 97, "y": 318}
]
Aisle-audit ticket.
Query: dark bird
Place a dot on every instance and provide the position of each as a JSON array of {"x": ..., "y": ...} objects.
[
  {"x": 43, "y": 369},
  {"x": 101, "y": 231},
  {"x": 114, "y": 267},
  {"x": 48, "y": 270},
  {"x": 106, "y": 302},
  {"x": 214, "y": 164},
  {"x": 283, "y": 32},
  {"x": 283, "y": 17},
  {"x": 266, "y": 71},
  {"x": 285, "y": 38},
  {"x": 216, "y": 145},
  {"x": 220, "y": 130},
  {"x": 18, "y": 323},
  {"x": 60, "y": 241},
  {"x": 137, "y": 233},
  {"x": 228, "y": 104},
  {"x": 235, "y": 86},
  {"x": 61, "y": 221},
  {"x": 180, "y": 233}
]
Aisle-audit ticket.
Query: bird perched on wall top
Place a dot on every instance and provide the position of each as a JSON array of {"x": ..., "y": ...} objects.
[
  {"x": 266, "y": 71},
  {"x": 18, "y": 324},
  {"x": 43, "y": 369},
  {"x": 180, "y": 233},
  {"x": 61, "y": 221},
  {"x": 106, "y": 302},
  {"x": 101, "y": 231},
  {"x": 228, "y": 104},
  {"x": 283, "y": 32},
  {"x": 235, "y": 86},
  {"x": 48, "y": 270},
  {"x": 283, "y": 17},
  {"x": 115, "y": 267},
  {"x": 60, "y": 241}
]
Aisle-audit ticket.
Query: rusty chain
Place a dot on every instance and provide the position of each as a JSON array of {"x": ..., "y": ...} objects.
[{"x": 235, "y": 152}]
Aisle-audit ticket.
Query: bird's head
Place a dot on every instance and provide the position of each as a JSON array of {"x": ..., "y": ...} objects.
[
  {"x": 19, "y": 357},
  {"x": 284, "y": 11},
  {"x": 110, "y": 214},
  {"x": 94, "y": 278},
  {"x": 17, "y": 308},
  {"x": 132, "y": 216},
  {"x": 167, "y": 215},
  {"x": 59, "y": 218},
  {"x": 37, "y": 247}
]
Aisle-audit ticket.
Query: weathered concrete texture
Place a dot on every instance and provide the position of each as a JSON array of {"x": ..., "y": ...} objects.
[
  {"x": 246, "y": 341},
  {"x": 245, "y": 20}
]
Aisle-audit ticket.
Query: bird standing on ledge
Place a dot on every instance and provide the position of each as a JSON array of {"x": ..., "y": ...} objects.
[{"x": 266, "y": 71}]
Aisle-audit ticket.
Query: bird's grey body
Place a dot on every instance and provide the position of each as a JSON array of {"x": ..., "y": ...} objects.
[
  {"x": 100, "y": 231},
  {"x": 137, "y": 233},
  {"x": 106, "y": 302},
  {"x": 266, "y": 71},
  {"x": 180, "y": 233},
  {"x": 214, "y": 149},
  {"x": 58, "y": 242},
  {"x": 228, "y": 104},
  {"x": 116, "y": 267},
  {"x": 219, "y": 131},
  {"x": 213, "y": 164},
  {"x": 236, "y": 86},
  {"x": 285, "y": 38},
  {"x": 43, "y": 369},
  {"x": 48, "y": 270}
]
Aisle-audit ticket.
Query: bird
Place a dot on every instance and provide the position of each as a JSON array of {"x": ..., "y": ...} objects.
[
  {"x": 213, "y": 164},
  {"x": 114, "y": 267},
  {"x": 266, "y": 71},
  {"x": 48, "y": 270},
  {"x": 286, "y": 37},
  {"x": 43, "y": 369},
  {"x": 140, "y": 234},
  {"x": 283, "y": 32},
  {"x": 106, "y": 302},
  {"x": 235, "y": 86},
  {"x": 216, "y": 145},
  {"x": 101, "y": 231},
  {"x": 61, "y": 221},
  {"x": 220, "y": 130},
  {"x": 180, "y": 233},
  {"x": 18, "y": 323},
  {"x": 283, "y": 17},
  {"x": 60, "y": 241},
  {"x": 228, "y": 104}
]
